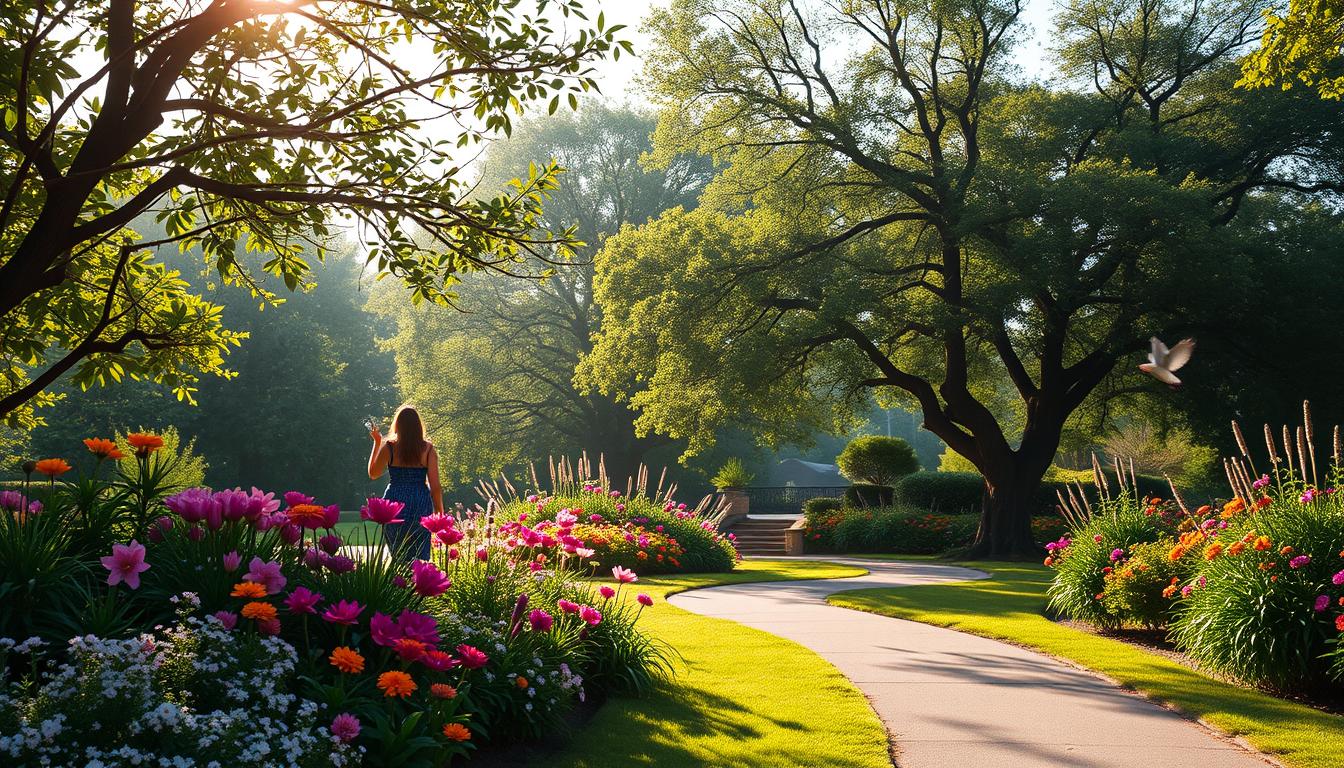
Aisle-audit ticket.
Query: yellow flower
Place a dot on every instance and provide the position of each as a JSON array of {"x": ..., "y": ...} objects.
[
  {"x": 248, "y": 589},
  {"x": 396, "y": 683},
  {"x": 347, "y": 660},
  {"x": 456, "y": 732},
  {"x": 259, "y": 611}
]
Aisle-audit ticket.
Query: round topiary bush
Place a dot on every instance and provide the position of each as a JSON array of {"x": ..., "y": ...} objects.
[{"x": 877, "y": 460}]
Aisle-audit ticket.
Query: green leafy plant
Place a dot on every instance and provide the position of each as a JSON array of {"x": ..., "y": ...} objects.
[
  {"x": 877, "y": 459},
  {"x": 733, "y": 474}
]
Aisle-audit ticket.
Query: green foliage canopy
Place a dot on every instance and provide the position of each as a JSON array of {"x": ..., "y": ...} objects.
[
  {"x": 1302, "y": 43},
  {"x": 877, "y": 459}
]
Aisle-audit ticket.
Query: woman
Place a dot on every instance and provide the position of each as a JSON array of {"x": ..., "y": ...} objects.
[{"x": 412, "y": 465}]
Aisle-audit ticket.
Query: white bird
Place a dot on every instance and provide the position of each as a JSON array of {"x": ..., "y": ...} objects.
[{"x": 1162, "y": 361}]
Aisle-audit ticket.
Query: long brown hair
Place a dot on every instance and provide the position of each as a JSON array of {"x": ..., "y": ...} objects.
[{"x": 408, "y": 434}]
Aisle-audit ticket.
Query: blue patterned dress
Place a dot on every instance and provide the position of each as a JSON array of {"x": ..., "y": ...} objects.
[{"x": 410, "y": 486}]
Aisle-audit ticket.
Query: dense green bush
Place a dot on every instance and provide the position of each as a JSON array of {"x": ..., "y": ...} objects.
[
  {"x": 1143, "y": 587},
  {"x": 822, "y": 505},
  {"x": 870, "y": 495},
  {"x": 877, "y": 459},
  {"x": 963, "y": 492},
  {"x": 894, "y": 529}
]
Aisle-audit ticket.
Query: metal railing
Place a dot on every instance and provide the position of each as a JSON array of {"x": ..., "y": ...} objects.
[{"x": 787, "y": 499}]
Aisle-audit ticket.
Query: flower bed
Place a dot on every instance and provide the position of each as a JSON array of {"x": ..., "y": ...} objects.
[
  {"x": 156, "y": 625},
  {"x": 900, "y": 530},
  {"x": 1252, "y": 588},
  {"x": 651, "y": 535}
]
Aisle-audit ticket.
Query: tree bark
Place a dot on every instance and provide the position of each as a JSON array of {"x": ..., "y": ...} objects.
[{"x": 1005, "y": 519}]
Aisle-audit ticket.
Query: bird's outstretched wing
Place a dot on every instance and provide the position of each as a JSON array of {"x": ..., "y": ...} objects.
[
  {"x": 1180, "y": 354},
  {"x": 1161, "y": 374},
  {"x": 1158, "y": 354}
]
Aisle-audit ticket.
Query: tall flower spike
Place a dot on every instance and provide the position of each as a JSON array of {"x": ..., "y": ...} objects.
[
  {"x": 1241, "y": 443},
  {"x": 1288, "y": 450},
  {"x": 1269, "y": 443},
  {"x": 1301, "y": 454},
  {"x": 1311, "y": 438},
  {"x": 1335, "y": 458},
  {"x": 1175, "y": 494}
]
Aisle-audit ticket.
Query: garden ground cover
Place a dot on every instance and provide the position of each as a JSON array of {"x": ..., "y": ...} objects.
[
  {"x": 741, "y": 697},
  {"x": 1008, "y": 607}
]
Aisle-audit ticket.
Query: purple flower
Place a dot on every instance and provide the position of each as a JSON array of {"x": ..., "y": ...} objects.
[
  {"x": 12, "y": 501},
  {"x": 1309, "y": 494},
  {"x": 234, "y": 505},
  {"x": 1322, "y": 602},
  {"x": 1116, "y": 554},
  {"x": 227, "y": 619},
  {"x": 266, "y": 574},
  {"x": 418, "y": 626},
  {"x": 1261, "y": 483},
  {"x": 429, "y": 581},
  {"x": 231, "y": 561},
  {"x": 330, "y": 543},
  {"x": 294, "y": 499},
  {"x": 541, "y": 621},
  {"x": 339, "y": 564},
  {"x": 302, "y": 600},
  {"x": 345, "y": 727},
  {"x": 290, "y": 533},
  {"x": 345, "y": 612},
  {"x": 1299, "y": 561},
  {"x": 383, "y": 630}
]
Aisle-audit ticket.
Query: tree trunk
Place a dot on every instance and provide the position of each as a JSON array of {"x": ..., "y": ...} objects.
[{"x": 1005, "y": 520}]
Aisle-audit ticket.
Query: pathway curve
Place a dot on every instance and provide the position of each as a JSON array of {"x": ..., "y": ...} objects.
[{"x": 951, "y": 699}]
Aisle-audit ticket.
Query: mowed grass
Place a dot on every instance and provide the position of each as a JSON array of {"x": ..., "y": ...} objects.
[
  {"x": 740, "y": 697},
  {"x": 1008, "y": 607}
]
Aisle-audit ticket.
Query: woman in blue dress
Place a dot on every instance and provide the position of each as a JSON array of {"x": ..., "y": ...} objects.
[{"x": 412, "y": 467}]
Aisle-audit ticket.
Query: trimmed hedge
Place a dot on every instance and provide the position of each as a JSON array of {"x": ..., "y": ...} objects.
[
  {"x": 821, "y": 505},
  {"x": 902, "y": 530},
  {"x": 962, "y": 492},
  {"x": 870, "y": 495}
]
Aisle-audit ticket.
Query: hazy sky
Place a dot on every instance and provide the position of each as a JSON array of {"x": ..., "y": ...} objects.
[{"x": 617, "y": 77}]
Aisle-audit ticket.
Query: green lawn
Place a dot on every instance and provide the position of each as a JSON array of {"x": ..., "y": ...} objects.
[
  {"x": 1008, "y": 607},
  {"x": 742, "y": 697},
  {"x": 360, "y": 532}
]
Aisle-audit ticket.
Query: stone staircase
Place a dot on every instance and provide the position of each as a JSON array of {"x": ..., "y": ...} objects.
[{"x": 761, "y": 536}]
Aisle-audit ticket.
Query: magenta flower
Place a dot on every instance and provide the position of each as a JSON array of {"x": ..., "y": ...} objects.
[
  {"x": 345, "y": 612},
  {"x": 383, "y": 630},
  {"x": 482, "y": 554},
  {"x": 541, "y": 621},
  {"x": 471, "y": 658},
  {"x": 302, "y": 600},
  {"x": 418, "y": 626},
  {"x": 227, "y": 619},
  {"x": 294, "y": 499},
  {"x": 1116, "y": 554},
  {"x": 438, "y": 660},
  {"x": 624, "y": 575},
  {"x": 607, "y": 592},
  {"x": 449, "y": 536},
  {"x": 567, "y": 606},
  {"x": 437, "y": 522},
  {"x": 428, "y": 580},
  {"x": 590, "y": 615},
  {"x": 1261, "y": 483},
  {"x": 269, "y": 627},
  {"x": 266, "y": 574},
  {"x": 644, "y": 599},
  {"x": 195, "y": 532},
  {"x": 193, "y": 505},
  {"x": 1308, "y": 495},
  {"x": 1338, "y": 578},
  {"x": 234, "y": 505},
  {"x": 290, "y": 533},
  {"x": 1322, "y": 602},
  {"x": 381, "y": 511},
  {"x": 261, "y": 504},
  {"x": 231, "y": 561},
  {"x": 1299, "y": 561},
  {"x": 345, "y": 727},
  {"x": 330, "y": 543},
  {"x": 338, "y": 563},
  {"x": 125, "y": 564}
]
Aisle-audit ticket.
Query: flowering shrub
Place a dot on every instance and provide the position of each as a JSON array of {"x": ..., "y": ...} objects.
[
  {"x": 898, "y": 529},
  {"x": 395, "y": 661},
  {"x": 653, "y": 536}
]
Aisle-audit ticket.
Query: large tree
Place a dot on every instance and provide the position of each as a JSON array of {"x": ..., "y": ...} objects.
[
  {"x": 253, "y": 123},
  {"x": 1303, "y": 43},
  {"x": 898, "y": 212},
  {"x": 493, "y": 374}
]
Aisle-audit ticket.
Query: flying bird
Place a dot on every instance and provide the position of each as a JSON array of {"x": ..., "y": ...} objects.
[{"x": 1162, "y": 362}]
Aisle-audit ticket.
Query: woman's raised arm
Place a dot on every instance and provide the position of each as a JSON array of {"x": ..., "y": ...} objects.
[{"x": 377, "y": 455}]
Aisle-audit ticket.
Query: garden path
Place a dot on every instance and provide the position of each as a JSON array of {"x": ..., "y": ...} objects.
[{"x": 954, "y": 699}]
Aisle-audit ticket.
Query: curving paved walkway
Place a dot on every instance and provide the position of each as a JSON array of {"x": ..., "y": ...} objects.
[{"x": 950, "y": 699}]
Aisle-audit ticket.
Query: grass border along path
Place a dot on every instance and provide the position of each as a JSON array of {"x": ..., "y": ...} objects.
[
  {"x": 1008, "y": 607},
  {"x": 742, "y": 697}
]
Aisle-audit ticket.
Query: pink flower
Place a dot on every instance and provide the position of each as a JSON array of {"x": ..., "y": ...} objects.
[
  {"x": 269, "y": 627},
  {"x": 590, "y": 615},
  {"x": 1322, "y": 602},
  {"x": 1299, "y": 561},
  {"x": 567, "y": 606},
  {"x": 266, "y": 574},
  {"x": 381, "y": 511},
  {"x": 1116, "y": 554},
  {"x": 449, "y": 536},
  {"x": 383, "y": 630},
  {"x": 1097, "y": 538},
  {"x": 437, "y": 522},
  {"x": 1338, "y": 578},
  {"x": 125, "y": 564},
  {"x": 294, "y": 499},
  {"x": 193, "y": 505},
  {"x": 541, "y": 621},
  {"x": 1308, "y": 495},
  {"x": 644, "y": 599},
  {"x": 227, "y": 619},
  {"x": 302, "y": 600},
  {"x": 429, "y": 581},
  {"x": 482, "y": 554},
  {"x": 231, "y": 561},
  {"x": 345, "y": 612},
  {"x": 418, "y": 626},
  {"x": 607, "y": 592},
  {"x": 624, "y": 575},
  {"x": 1261, "y": 483},
  {"x": 339, "y": 564},
  {"x": 438, "y": 660},
  {"x": 471, "y": 658},
  {"x": 345, "y": 727},
  {"x": 234, "y": 505}
]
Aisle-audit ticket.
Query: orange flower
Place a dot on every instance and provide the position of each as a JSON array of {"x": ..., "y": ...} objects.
[
  {"x": 442, "y": 691},
  {"x": 52, "y": 467},
  {"x": 1169, "y": 590},
  {"x": 1212, "y": 551},
  {"x": 1204, "y": 510},
  {"x": 1236, "y": 548},
  {"x": 1233, "y": 507},
  {"x": 248, "y": 589},
  {"x": 1285, "y": 550},
  {"x": 347, "y": 660},
  {"x": 144, "y": 443},
  {"x": 312, "y": 514},
  {"x": 259, "y": 611},
  {"x": 396, "y": 683},
  {"x": 1263, "y": 543},
  {"x": 521, "y": 682},
  {"x": 1176, "y": 553},
  {"x": 103, "y": 448},
  {"x": 456, "y": 732},
  {"x": 1049, "y": 561}
]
